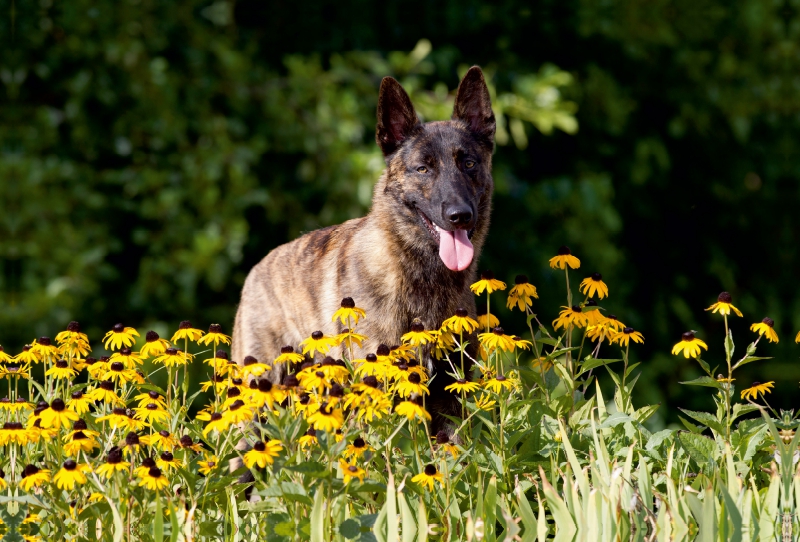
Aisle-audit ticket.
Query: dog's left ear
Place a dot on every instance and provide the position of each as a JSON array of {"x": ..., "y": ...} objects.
[{"x": 474, "y": 106}]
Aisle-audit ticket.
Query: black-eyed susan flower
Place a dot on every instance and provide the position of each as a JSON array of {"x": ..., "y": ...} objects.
[
  {"x": 724, "y": 305},
  {"x": 288, "y": 356},
  {"x": 348, "y": 314},
  {"x": 412, "y": 409},
  {"x": 594, "y": 285},
  {"x": 104, "y": 393},
  {"x": 412, "y": 384},
  {"x": 118, "y": 417},
  {"x": 488, "y": 283},
  {"x": 173, "y": 357},
  {"x": 113, "y": 464},
  {"x": 370, "y": 366},
  {"x": 127, "y": 357},
  {"x": 689, "y": 345},
  {"x": 252, "y": 367},
  {"x": 15, "y": 371},
  {"x": 445, "y": 445},
  {"x": 218, "y": 382},
  {"x": 263, "y": 453},
  {"x": 356, "y": 449},
  {"x": 152, "y": 413},
  {"x": 334, "y": 369},
  {"x": 71, "y": 474},
  {"x": 3, "y": 483},
  {"x": 766, "y": 329},
  {"x": 134, "y": 443},
  {"x": 460, "y": 322},
  {"x": 187, "y": 443},
  {"x": 462, "y": 386},
  {"x": 33, "y": 477},
  {"x": 168, "y": 462},
  {"x": 349, "y": 338},
  {"x": 417, "y": 336},
  {"x": 373, "y": 408},
  {"x": 57, "y": 415},
  {"x": 72, "y": 334},
  {"x": 520, "y": 343},
  {"x": 495, "y": 339},
  {"x": 328, "y": 418},
  {"x": 117, "y": 373},
  {"x": 216, "y": 422},
  {"x": 309, "y": 439},
  {"x": 43, "y": 348},
  {"x": 155, "y": 345},
  {"x": 563, "y": 259},
  {"x": 151, "y": 396},
  {"x": 27, "y": 356},
  {"x": 521, "y": 294},
  {"x": 350, "y": 471},
  {"x": 154, "y": 479},
  {"x": 164, "y": 441},
  {"x": 215, "y": 336},
  {"x": 147, "y": 464},
  {"x": 4, "y": 356},
  {"x": 428, "y": 476},
  {"x": 499, "y": 383},
  {"x": 485, "y": 402},
  {"x": 208, "y": 464},
  {"x": 14, "y": 433},
  {"x": 318, "y": 342},
  {"x": 314, "y": 380},
  {"x": 119, "y": 336},
  {"x": 443, "y": 343},
  {"x": 186, "y": 332},
  {"x": 238, "y": 412},
  {"x": 79, "y": 441},
  {"x": 626, "y": 335},
  {"x": 593, "y": 316},
  {"x": 756, "y": 389},
  {"x": 79, "y": 403},
  {"x": 570, "y": 316}
]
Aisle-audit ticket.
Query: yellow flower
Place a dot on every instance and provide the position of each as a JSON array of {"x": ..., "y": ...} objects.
[
  {"x": 57, "y": 415},
  {"x": 370, "y": 366},
  {"x": 154, "y": 479},
  {"x": 216, "y": 423},
  {"x": 487, "y": 321},
  {"x": 496, "y": 339},
  {"x": 350, "y": 471},
  {"x": 72, "y": 334},
  {"x": 113, "y": 464},
  {"x": 593, "y": 316},
  {"x": 765, "y": 328},
  {"x": 484, "y": 402},
  {"x": 488, "y": 283},
  {"x": 61, "y": 370},
  {"x": 412, "y": 384},
  {"x": 444, "y": 444},
  {"x": 499, "y": 383},
  {"x": 79, "y": 403},
  {"x": 309, "y": 439},
  {"x": 173, "y": 357},
  {"x": 119, "y": 336},
  {"x": 348, "y": 338},
  {"x": 723, "y": 305},
  {"x": 626, "y": 335},
  {"x": 594, "y": 285},
  {"x": 417, "y": 336},
  {"x": 210, "y": 463},
  {"x": 428, "y": 476},
  {"x": 460, "y": 323},
  {"x": 462, "y": 385},
  {"x": 43, "y": 348},
  {"x": 105, "y": 393},
  {"x": 152, "y": 413},
  {"x": 163, "y": 440},
  {"x": 27, "y": 356},
  {"x": 564, "y": 259},
  {"x": 118, "y": 374},
  {"x": 263, "y": 453},
  {"x": 238, "y": 412},
  {"x": 186, "y": 332},
  {"x": 33, "y": 477},
  {"x": 689, "y": 345},
  {"x": 71, "y": 474},
  {"x": 412, "y": 409},
  {"x": 318, "y": 342},
  {"x": 521, "y": 294},
  {"x": 348, "y": 314},
  {"x": 443, "y": 343},
  {"x": 757, "y": 388},
  {"x": 155, "y": 346},
  {"x": 215, "y": 336},
  {"x": 168, "y": 462},
  {"x": 288, "y": 355},
  {"x": 356, "y": 449},
  {"x": 571, "y": 316},
  {"x": 327, "y": 418},
  {"x": 4, "y": 357}
]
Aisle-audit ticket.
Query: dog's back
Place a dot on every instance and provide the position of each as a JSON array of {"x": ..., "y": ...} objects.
[{"x": 413, "y": 256}]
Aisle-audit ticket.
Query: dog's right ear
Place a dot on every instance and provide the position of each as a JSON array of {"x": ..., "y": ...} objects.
[{"x": 396, "y": 116}]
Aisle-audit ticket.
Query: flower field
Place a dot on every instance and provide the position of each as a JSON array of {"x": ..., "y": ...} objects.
[{"x": 342, "y": 448}]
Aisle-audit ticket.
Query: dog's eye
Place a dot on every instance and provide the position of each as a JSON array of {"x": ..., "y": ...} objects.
[
  {"x": 469, "y": 164},
  {"x": 422, "y": 169}
]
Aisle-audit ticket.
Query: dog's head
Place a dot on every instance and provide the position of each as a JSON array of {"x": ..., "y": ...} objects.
[{"x": 440, "y": 172}]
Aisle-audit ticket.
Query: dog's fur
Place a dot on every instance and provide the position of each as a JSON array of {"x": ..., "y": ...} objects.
[{"x": 387, "y": 261}]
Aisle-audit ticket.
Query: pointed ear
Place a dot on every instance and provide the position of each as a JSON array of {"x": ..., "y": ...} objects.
[
  {"x": 473, "y": 105},
  {"x": 396, "y": 116}
]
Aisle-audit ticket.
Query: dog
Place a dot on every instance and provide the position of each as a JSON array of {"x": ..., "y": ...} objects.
[{"x": 413, "y": 256}]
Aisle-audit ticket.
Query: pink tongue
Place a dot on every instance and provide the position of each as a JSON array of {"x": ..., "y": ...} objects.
[{"x": 455, "y": 250}]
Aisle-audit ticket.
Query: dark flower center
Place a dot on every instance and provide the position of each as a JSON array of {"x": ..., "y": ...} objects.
[
  {"x": 264, "y": 386},
  {"x": 186, "y": 440},
  {"x": 320, "y": 374},
  {"x": 564, "y": 251},
  {"x": 120, "y": 411},
  {"x": 417, "y": 326},
  {"x": 287, "y": 350},
  {"x": 328, "y": 361},
  {"x": 576, "y": 308},
  {"x": 131, "y": 439},
  {"x": 62, "y": 364},
  {"x": 237, "y": 404},
  {"x": 153, "y": 394},
  {"x": 74, "y": 327},
  {"x": 148, "y": 462},
  {"x": 77, "y": 394},
  {"x": 305, "y": 399},
  {"x": 79, "y": 425},
  {"x": 249, "y": 360},
  {"x": 114, "y": 455},
  {"x": 442, "y": 437},
  {"x": 688, "y": 336},
  {"x": 521, "y": 279},
  {"x": 185, "y": 324},
  {"x": 317, "y": 335},
  {"x": 498, "y": 331},
  {"x": 370, "y": 381},
  {"x": 125, "y": 351},
  {"x": 724, "y": 297},
  {"x": 221, "y": 354},
  {"x": 769, "y": 321},
  {"x": 154, "y": 472},
  {"x": 70, "y": 464},
  {"x": 487, "y": 275},
  {"x": 79, "y": 435},
  {"x": 597, "y": 277},
  {"x": 29, "y": 470},
  {"x": 171, "y": 351},
  {"x": 290, "y": 381},
  {"x": 414, "y": 378},
  {"x": 215, "y": 416},
  {"x": 336, "y": 390},
  {"x": 166, "y": 456},
  {"x": 461, "y": 381},
  {"x": 628, "y": 330},
  {"x": 44, "y": 341},
  {"x": 461, "y": 312},
  {"x": 57, "y": 405},
  {"x": 352, "y": 468},
  {"x": 311, "y": 432},
  {"x": 501, "y": 378},
  {"x": 234, "y": 392},
  {"x": 430, "y": 470},
  {"x": 215, "y": 328},
  {"x": 151, "y": 336},
  {"x": 164, "y": 433},
  {"x": 372, "y": 358},
  {"x": 359, "y": 443},
  {"x": 118, "y": 328},
  {"x": 259, "y": 446},
  {"x": 382, "y": 350},
  {"x": 754, "y": 384},
  {"x": 348, "y": 303},
  {"x": 151, "y": 406},
  {"x": 117, "y": 366}
]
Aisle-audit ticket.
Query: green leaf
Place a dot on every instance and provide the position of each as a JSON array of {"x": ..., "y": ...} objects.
[
  {"x": 729, "y": 346},
  {"x": 317, "y": 518},
  {"x": 350, "y": 529},
  {"x": 701, "y": 449},
  {"x": 705, "y": 366},
  {"x": 705, "y": 381},
  {"x": 749, "y": 359},
  {"x": 644, "y": 413},
  {"x": 740, "y": 409},
  {"x": 706, "y": 419},
  {"x": 592, "y": 363},
  {"x": 158, "y": 521}
]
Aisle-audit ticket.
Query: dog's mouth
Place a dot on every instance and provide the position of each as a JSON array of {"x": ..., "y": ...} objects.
[{"x": 455, "y": 248}]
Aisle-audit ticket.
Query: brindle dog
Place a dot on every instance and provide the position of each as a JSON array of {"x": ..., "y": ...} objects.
[{"x": 413, "y": 256}]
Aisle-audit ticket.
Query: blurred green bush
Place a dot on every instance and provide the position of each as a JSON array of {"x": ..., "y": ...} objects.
[{"x": 152, "y": 152}]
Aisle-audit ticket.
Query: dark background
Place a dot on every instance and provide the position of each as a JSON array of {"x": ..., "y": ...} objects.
[{"x": 153, "y": 152}]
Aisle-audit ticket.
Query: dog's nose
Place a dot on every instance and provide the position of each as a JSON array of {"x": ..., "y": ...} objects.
[{"x": 459, "y": 216}]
